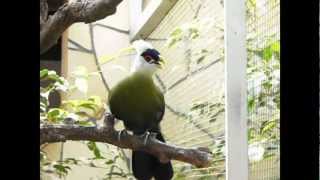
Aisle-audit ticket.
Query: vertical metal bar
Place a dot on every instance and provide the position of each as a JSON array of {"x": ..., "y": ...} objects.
[{"x": 236, "y": 89}]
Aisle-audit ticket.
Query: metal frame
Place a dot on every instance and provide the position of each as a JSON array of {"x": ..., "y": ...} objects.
[
  {"x": 143, "y": 22},
  {"x": 236, "y": 89}
]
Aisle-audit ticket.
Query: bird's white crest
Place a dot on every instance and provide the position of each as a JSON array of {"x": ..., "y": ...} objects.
[{"x": 139, "y": 64}]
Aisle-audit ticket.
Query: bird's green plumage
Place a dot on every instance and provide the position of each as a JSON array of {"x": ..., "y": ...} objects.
[{"x": 138, "y": 102}]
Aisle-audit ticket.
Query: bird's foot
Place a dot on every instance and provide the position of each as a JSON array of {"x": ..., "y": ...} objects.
[
  {"x": 153, "y": 135},
  {"x": 146, "y": 136},
  {"x": 120, "y": 132}
]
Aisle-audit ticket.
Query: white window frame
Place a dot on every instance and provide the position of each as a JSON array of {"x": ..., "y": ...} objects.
[{"x": 143, "y": 22}]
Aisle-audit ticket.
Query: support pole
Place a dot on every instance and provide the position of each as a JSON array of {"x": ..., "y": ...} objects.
[{"x": 236, "y": 89}]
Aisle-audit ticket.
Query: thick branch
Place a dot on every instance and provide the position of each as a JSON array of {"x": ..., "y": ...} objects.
[
  {"x": 43, "y": 12},
  {"x": 55, "y": 4},
  {"x": 200, "y": 157},
  {"x": 76, "y": 11}
]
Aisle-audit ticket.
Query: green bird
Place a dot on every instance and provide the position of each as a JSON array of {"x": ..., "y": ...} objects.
[{"x": 140, "y": 104}]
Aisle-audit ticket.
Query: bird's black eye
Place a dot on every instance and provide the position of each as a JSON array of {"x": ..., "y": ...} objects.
[{"x": 151, "y": 55}]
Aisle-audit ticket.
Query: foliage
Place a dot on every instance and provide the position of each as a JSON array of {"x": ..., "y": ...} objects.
[{"x": 80, "y": 112}]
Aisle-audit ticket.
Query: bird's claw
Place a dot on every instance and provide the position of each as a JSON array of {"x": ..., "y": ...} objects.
[
  {"x": 146, "y": 136},
  {"x": 153, "y": 135},
  {"x": 120, "y": 132}
]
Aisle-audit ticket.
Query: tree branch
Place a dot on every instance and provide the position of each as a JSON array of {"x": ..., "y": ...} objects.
[
  {"x": 200, "y": 157},
  {"x": 43, "y": 12},
  {"x": 86, "y": 11}
]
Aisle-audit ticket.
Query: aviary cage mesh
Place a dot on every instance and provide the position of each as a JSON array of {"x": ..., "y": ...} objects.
[
  {"x": 263, "y": 73},
  {"x": 193, "y": 83}
]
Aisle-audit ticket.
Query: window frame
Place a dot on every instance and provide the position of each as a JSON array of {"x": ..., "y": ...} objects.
[{"x": 143, "y": 22}]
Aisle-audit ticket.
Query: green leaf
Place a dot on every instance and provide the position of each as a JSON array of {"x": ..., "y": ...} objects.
[
  {"x": 267, "y": 85},
  {"x": 109, "y": 162},
  {"x": 200, "y": 59},
  {"x": 203, "y": 51},
  {"x": 198, "y": 106},
  {"x": 268, "y": 126},
  {"x": 91, "y": 145},
  {"x": 194, "y": 33},
  {"x": 212, "y": 119},
  {"x": 88, "y": 105},
  {"x": 43, "y": 73},
  {"x": 267, "y": 54},
  {"x": 71, "y": 161},
  {"x": 251, "y": 134},
  {"x": 176, "y": 32},
  {"x": 275, "y": 47},
  {"x": 174, "y": 37},
  {"x": 61, "y": 168},
  {"x": 56, "y": 114},
  {"x": 268, "y": 155},
  {"x": 94, "y": 148},
  {"x": 52, "y": 75},
  {"x": 172, "y": 42},
  {"x": 84, "y": 123},
  {"x": 97, "y": 154},
  {"x": 251, "y": 104}
]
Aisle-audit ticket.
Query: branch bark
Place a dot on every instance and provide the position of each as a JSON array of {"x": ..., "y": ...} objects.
[
  {"x": 200, "y": 157},
  {"x": 86, "y": 11}
]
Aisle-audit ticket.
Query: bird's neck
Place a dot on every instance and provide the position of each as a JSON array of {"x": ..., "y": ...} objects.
[
  {"x": 140, "y": 68},
  {"x": 143, "y": 72}
]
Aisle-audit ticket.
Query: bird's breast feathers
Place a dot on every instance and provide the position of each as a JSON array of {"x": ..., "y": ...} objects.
[{"x": 136, "y": 97}]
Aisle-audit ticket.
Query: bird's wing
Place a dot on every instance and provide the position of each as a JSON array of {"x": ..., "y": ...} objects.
[{"x": 161, "y": 109}]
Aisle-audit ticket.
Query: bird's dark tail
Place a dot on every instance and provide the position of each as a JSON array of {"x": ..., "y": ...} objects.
[{"x": 145, "y": 166}]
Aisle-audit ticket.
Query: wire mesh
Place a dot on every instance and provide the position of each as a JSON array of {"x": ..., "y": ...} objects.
[
  {"x": 263, "y": 49},
  {"x": 193, "y": 82}
]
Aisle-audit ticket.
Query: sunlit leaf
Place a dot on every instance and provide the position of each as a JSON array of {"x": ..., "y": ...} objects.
[
  {"x": 56, "y": 114},
  {"x": 122, "y": 52},
  {"x": 84, "y": 123},
  {"x": 105, "y": 58},
  {"x": 268, "y": 126},
  {"x": 267, "y": 54},
  {"x": 275, "y": 46}
]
